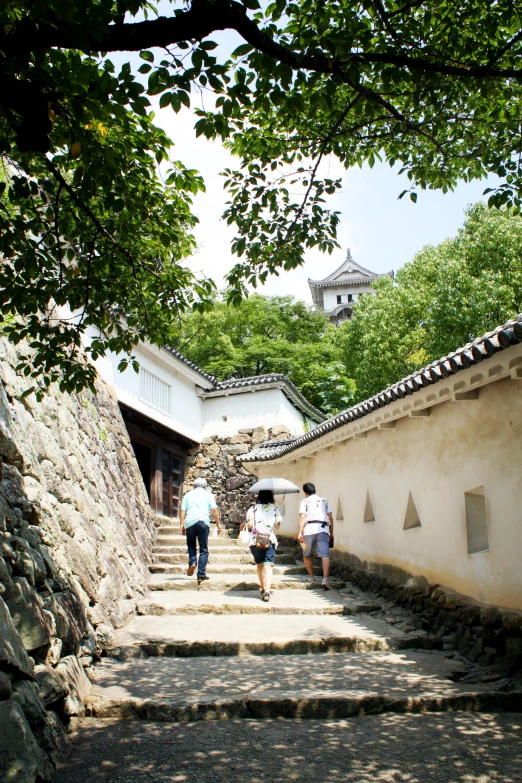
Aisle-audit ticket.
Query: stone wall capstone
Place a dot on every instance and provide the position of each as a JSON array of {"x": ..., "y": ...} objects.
[
  {"x": 76, "y": 533},
  {"x": 219, "y": 461}
]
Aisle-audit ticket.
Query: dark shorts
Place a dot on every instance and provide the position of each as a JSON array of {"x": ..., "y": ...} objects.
[{"x": 264, "y": 555}]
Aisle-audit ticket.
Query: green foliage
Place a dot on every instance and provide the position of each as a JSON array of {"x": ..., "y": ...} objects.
[
  {"x": 269, "y": 335},
  {"x": 89, "y": 225},
  {"x": 444, "y": 298}
]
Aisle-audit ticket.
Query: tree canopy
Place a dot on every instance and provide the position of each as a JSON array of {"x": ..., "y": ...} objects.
[
  {"x": 87, "y": 219},
  {"x": 269, "y": 334},
  {"x": 445, "y": 297}
]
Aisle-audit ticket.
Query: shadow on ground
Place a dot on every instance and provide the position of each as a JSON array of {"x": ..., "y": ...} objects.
[{"x": 442, "y": 748}]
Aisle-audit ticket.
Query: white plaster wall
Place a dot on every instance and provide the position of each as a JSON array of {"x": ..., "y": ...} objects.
[
  {"x": 185, "y": 415},
  {"x": 330, "y": 295},
  {"x": 461, "y": 446},
  {"x": 267, "y": 407}
]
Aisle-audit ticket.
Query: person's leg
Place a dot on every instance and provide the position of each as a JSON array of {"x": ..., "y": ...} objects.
[
  {"x": 261, "y": 576},
  {"x": 267, "y": 568},
  {"x": 307, "y": 554},
  {"x": 323, "y": 550},
  {"x": 202, "y": 533},
  {"x": 326, "y": 563},
  {"x": 190, "y": 533}
]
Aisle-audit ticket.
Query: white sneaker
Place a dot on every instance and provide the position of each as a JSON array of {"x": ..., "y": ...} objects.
[
  {"x": 310, "y": 580},
  {"x": 325, "y": 584}
]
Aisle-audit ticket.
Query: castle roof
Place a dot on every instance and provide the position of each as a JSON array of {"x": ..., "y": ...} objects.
[
  {"x": 350, "y": 273},
  {"x": 483, "y": 348}
]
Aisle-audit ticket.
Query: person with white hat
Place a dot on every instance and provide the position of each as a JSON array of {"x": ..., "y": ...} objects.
[{"x": 197, "y": 506}]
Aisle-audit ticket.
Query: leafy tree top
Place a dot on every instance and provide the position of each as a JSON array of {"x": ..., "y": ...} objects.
[{"x": 86, "y": 221}]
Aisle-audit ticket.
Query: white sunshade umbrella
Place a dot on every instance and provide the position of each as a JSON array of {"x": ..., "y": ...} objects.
[{"x": 279, "y": 486}]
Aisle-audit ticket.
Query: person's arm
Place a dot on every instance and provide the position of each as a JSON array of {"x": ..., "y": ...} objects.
[
  {"x": 302, "y": 523},
  {"x": 330, "y": 517},
  {"x": 215, "y": 514},
  {"x": 181, "y": 521}
]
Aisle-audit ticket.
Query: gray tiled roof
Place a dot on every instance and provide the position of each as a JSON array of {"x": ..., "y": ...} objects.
[
  {"x": 291, "y": 391},
  {"x": 190, "y": 364},
  {"x": 483, "y": 347}
]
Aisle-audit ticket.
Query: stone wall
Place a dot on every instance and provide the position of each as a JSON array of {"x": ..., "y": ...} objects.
[
  {"x": 219, "y": 461},
  {"x": 484, "y": 634},
  {"x": 75, "y": 536}
]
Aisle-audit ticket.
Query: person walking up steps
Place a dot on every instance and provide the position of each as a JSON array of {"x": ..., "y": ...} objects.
[
  {"x": 315, "y": 529},
  {"x": 262, "y": 519},
  {"x": 194, "y": 519}
]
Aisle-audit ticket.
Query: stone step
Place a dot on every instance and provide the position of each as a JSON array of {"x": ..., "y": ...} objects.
[
  {"x": 233, "y": 549},
  {"x": 238, "y": 558},
  {"x": 235, "y": 582},
  {"x": 233, "y": 568},
  {"x": 232, "y": 635},
  {"x": 341, "y": 686},
  {"x": 281, "y": 602},
  {"x": 173, "y": 530},
  {"x": 179, "y": 540}
]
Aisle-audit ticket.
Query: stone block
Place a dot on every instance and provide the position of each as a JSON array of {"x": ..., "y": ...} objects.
[
  {"x": 6, "y": 583},
  {"x": 279, "y": 432},
  {"x": 78, "y": 683},
  {"x": 35, "y": 625},
  {"x": 241, "y": 437},
  {"x": 13, "y": 655},
  {"x": 51, "y": 686},
  {"x": 513, "y": 646},
  {"x": 259, "y": 435},
  {"x": 202, "y": 462},
  {"x": 25, "y": 693},
  {"x": 54, "y": 653},
  {"x": 235, "y": 450},
  {"x": 212, "y": 451},
  {"x": 512, "y": 621},
  {"x": 52, "y": 738},
  {"x": 69, "y": 615},
  {"x": 6, "y": 688},
  {"x": 21, "y": 758},
  {"x": 234, "y": 482}
]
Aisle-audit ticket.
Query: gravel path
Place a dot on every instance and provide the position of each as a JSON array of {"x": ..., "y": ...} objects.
[{"x": 448, "y": 748}]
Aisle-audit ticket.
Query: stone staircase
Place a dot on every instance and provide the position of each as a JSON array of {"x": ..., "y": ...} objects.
[{"x": 218, "y": 653}]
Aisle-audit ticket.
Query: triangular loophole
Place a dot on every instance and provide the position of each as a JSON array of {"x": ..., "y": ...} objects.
[
  {"x": 339, "y": 515},
  {"x": 412, "y": 518},
  {"x": 369, "y": 516}
]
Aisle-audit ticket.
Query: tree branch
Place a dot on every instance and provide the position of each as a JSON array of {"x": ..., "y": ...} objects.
[{"x": 208, "y": 16}]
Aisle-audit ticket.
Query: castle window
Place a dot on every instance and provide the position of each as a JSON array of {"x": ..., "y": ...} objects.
[
  {"x": 339, "y": 299},
  {"x": 350, "y": 298},
  {"x": 476, "y": 521},
  {"x": 154, "y": 391}
]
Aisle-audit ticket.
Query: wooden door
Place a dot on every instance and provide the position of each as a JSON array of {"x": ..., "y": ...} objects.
[{"x": 167, "y": 470}]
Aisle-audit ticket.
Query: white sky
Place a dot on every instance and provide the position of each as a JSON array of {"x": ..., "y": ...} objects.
[{"x": 382, "y": 232}]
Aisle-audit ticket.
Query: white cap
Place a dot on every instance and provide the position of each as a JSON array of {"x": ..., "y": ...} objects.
[{"x": 200, "y": 482}]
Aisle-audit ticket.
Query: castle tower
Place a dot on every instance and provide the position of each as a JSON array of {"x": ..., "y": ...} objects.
[{"x": 336, "y": 295}]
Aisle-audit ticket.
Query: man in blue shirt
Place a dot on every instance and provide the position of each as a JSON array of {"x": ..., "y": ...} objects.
[{"x": 197, "y": 506}]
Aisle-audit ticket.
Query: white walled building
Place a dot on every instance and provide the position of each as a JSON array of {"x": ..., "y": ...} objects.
[
  {"x": 424, "y": 478},
  {"x": 336, "y": 294},
  {"x": 171, "y": 405}
]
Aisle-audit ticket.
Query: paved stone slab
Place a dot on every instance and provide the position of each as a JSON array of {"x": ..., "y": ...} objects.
[
  {"x": 390, "y": 748},
  {"x": 178, "y": 602},
  {"x": 404, "y": 673},
  {"x": 229, "y": 559},
  {"x": 234, "y": 635},
  {"x": 232, "y": 568},
  {"x": 241, "y": 582}
]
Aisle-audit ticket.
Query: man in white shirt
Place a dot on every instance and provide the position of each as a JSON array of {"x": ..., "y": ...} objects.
[{"x": 315, "y": 529}]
